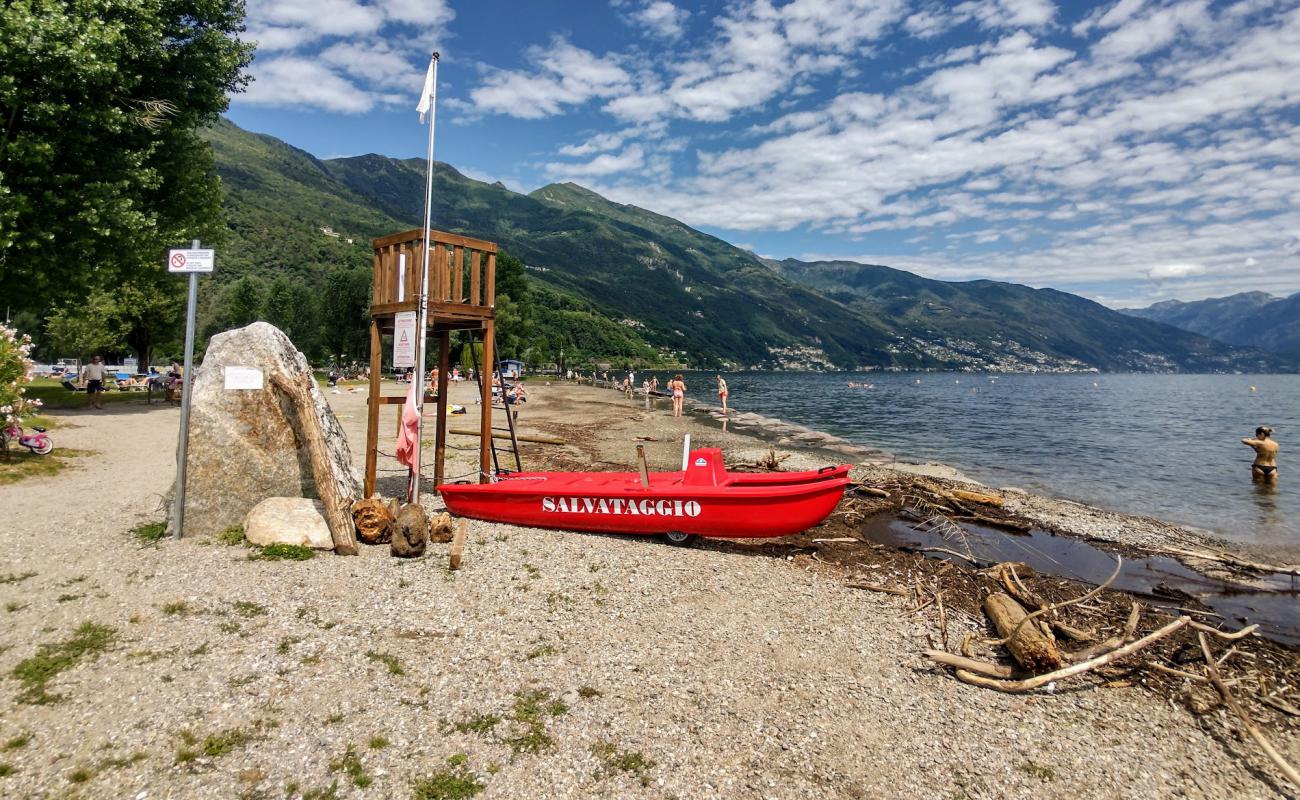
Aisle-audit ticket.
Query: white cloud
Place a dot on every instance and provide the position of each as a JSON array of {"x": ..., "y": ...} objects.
[
  {"x": 562, "y": 75},
  {"x": 1168, "y": 271},
  {"x": 662, "y": 19},
  {"x": 340, "y": 55},
  {"x": 631, "y": 158},
  {"x": 291, "y": 81}
]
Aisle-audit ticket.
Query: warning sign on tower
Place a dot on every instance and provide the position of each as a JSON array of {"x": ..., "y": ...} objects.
[{"x": 404, "y": 340}]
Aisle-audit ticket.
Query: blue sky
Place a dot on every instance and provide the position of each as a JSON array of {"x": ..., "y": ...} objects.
[{"x": 1130, "y": 151}]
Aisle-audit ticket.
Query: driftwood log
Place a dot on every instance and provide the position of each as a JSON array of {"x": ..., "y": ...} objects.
[
  {"x": 410, "y": 532},
  {"x": 976, "y": 497},
  {"x": 338, "y": 509},
  {"x": 374, "y": 518},
  {"x": 1031, "y": 648}
]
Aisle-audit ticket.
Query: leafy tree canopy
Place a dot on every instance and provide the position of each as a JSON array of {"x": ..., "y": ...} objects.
[{"x": 100, "y": 165}]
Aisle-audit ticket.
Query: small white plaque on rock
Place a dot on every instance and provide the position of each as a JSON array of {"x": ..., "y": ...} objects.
[{"x": 243, "y": 378}]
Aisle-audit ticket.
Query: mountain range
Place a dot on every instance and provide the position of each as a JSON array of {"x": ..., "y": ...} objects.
[
  {"x": 658, "y": 285},
  {"x": 1249, "y": 319}
]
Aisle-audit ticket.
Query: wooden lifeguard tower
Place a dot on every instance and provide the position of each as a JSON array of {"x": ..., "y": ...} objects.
[{"x": 462, "y": 296}]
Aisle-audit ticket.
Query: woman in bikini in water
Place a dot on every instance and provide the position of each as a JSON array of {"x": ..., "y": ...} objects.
[
  {"x": 1264, "y": 468},
  {"x": 678, "y": 388}
]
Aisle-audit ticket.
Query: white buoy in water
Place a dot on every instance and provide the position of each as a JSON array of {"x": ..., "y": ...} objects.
[{"x": 1253, "y": 389}]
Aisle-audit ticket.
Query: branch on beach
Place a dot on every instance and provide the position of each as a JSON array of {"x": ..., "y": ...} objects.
[
  {"x": 1212, "y": 668},
  {"x": 1227, "y": 558}
]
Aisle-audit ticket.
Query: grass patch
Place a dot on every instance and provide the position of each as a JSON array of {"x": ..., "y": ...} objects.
[
  {"x": 6, "y": 770},
  {"x": 149, "y": 533},
  {"x": 378, "y": 742},
  {"x": 247, "y": 608},
  {"x": 538, "y": 652},
  {"x": 330, "y": 792},
  {"x": 35, "y": 673},
  {"x": 282, "y": 552},
  {"x": 231, "y": 536},
  {"x": 390, "y": 661},
  {"x": 334, "y": 719},
  {"x": 14, "y": 605},
  {"x": 454, "y": 783},
  {"x": 1039, "y": 771},
  {"x": 175, "y": 608},
  {"x": 68, "y": 598},
  {"x": 16, "y": 577},
  {"x": 286, "y": 644},
  {"x": 614, "y": 761},
  {"x": 80, "y": 775},
  {"x": 588, "y": 692},
  {"x": 22, "y": 464},
  {"x": 350, "y": 764},
  {"x": 18, "y": 742},
  {"x": 214, "y": 746},
  {"x": 119, "y": 762},
  {"x": 481, "y": 724}
]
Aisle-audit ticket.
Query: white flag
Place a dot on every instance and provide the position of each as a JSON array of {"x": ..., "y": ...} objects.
[{"x": 428, "y": 95}]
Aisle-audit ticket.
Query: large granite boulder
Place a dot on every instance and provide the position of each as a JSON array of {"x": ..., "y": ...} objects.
[
  {"x": 245, "y": 444},
  {"x": 288, "y": 520}
]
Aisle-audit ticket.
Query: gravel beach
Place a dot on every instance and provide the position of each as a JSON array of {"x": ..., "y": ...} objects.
[{"x": 551, "y": 665}]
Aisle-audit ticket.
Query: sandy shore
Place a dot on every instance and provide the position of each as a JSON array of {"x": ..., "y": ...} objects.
[{"x": 552, "y": 665}]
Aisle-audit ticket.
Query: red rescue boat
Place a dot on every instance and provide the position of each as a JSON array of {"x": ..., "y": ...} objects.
[{"x": 703, "y": 500}]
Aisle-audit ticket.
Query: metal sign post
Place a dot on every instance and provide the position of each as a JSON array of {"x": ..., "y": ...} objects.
[{"x": 192, "y": 261}]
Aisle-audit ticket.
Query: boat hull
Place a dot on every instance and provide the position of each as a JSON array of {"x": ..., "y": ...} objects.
[{"x": 720, "y": 504}]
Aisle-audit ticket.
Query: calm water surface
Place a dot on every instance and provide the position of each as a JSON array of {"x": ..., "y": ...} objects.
[{"x": 1167, "y": 446}]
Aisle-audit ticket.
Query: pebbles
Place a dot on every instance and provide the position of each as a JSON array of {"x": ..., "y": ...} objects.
[{"x": 709, "y": 673}]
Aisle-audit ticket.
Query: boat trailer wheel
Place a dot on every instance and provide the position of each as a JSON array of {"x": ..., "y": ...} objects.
[{"x": 680, "y": 539}]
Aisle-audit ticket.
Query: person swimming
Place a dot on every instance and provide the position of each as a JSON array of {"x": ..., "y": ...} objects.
[{"x": 1264, "y": 467}]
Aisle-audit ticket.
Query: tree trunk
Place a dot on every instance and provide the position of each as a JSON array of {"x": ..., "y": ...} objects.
[{"x": 1030, "y": 646}]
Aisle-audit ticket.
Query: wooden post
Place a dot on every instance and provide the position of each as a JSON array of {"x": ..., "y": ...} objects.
[
  {"x": 458, "y": 545},
  {"x": 372, "y": 412},
  {"x": 490, "y": 289},
  {"x": 338, "y": 509},
  {"x": 485, "y": 407},
  {"x": 440, "y": 448},
  {"x": 475, "y": 296},
  {"x": 458, "y": 275},
  {"x": 645, "y": 468}
]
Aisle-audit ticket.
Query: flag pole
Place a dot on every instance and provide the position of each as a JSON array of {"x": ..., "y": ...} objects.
[{"x": 429, "y": 101}]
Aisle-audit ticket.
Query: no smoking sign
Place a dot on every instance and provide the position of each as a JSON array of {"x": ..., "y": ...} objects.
[{"x": 190, "y": 260}]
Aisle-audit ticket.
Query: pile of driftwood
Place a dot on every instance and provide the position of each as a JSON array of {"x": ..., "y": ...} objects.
[
  {"x": 406, "y": 528},
  {"x": 1031, "y": 629}
]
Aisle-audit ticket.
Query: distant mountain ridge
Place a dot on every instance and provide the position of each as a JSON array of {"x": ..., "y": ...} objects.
[
  {"x": 692, "y": 296},
  {"x": 1248, "y": 319}
]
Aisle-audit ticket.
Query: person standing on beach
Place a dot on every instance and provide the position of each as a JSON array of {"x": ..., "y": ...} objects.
[
  {"x": 93, "y": 376},
  {"x": 722, "y": 394},
  {"x": 678, "y": 387},
  {"x": 1264, "y": 468}
]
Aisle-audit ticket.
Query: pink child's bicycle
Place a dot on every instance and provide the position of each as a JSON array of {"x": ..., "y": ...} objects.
[{"x": 39, "y": 442}]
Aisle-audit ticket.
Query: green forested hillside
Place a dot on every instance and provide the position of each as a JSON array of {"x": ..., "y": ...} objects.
[
  {"x": 609, "y": 282},
  {"x": 687, "y": 293}
]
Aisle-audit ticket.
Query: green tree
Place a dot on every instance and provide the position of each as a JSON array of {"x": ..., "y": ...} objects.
[
  {"x": 345, "y": 313},
  {"x": 293, "y": 308},
  {"x": 84, "y": 329},
  {"x": 100, "y": 165}
]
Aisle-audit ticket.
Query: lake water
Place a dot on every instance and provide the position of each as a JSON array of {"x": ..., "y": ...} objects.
[{"x": 1166, "y": 446}]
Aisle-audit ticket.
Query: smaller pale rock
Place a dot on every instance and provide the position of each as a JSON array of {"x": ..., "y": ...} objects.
[
  {"x": 440, "y": 529},
  {"x": 288, "y": 520}
]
